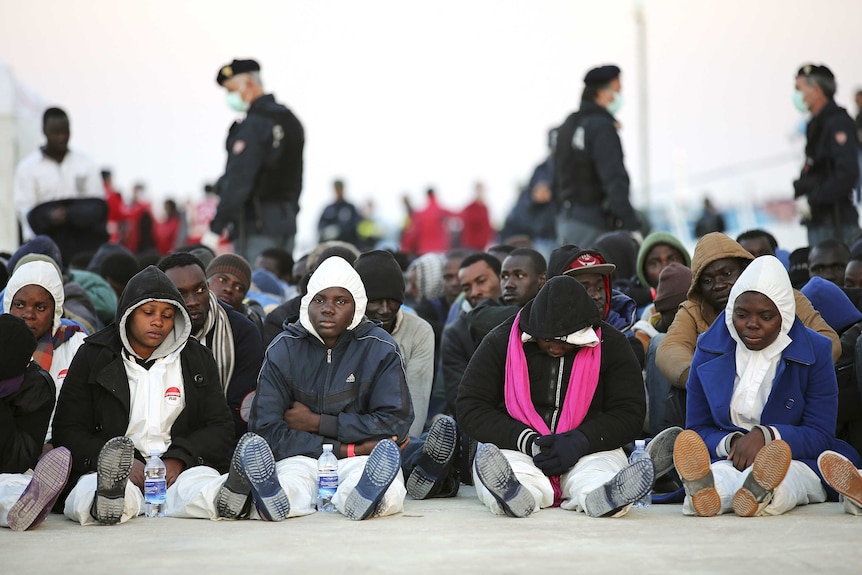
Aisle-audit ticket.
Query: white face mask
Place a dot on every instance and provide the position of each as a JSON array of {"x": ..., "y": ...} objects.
[
  {"x": 615, "y": 104},
  {"x": 235, "y": 101}
]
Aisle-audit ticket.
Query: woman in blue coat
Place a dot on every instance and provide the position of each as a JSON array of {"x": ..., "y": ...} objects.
[{"x": 762, "y": 404}]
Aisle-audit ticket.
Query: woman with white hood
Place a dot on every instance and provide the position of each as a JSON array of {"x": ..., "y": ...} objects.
[
  {"x": 762, "y": 405},
  {"x": 35, "y": 294}
]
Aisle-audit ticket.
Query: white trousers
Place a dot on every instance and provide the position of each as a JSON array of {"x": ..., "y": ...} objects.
[
  {"x": 80, "y": 499},
  {"x": 590, "y": 472},
  {"x": 12, "y": 485},
  {"x": 800, "y": 487},
  {"x": 194, "y": 493}
]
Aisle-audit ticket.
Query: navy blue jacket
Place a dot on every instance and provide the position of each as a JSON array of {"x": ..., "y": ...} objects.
[
  {"x": 359, "y": 388},
  {"x": 803, "y": 403}
]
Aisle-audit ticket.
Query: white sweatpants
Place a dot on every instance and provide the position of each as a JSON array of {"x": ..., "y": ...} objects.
[
  {"x": 590, "y": 472},
  {"x": 194, "y": 493},
  {"x": 800, "y": 487},
  {"x": 80, "y": 499},
  {"x": 12, "y": 485}
]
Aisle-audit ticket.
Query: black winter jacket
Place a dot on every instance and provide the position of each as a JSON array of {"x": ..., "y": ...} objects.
[
  {"x": 24, "y": 417},
  {"x": 616, "y": 414}
]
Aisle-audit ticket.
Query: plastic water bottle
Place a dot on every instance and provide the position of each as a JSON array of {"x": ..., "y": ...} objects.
[
  {"x": 640, "y": 452},
  {"x": 327, "y": 478},
  {"x": 155, "y": 486}
]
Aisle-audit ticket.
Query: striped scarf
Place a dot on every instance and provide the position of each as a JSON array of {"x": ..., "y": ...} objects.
[
  {"x": 216, "y": 334},
  {"x": 44, "y": 354}
]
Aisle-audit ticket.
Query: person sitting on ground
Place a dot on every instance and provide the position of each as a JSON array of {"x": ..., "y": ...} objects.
[
  {"x": 35, "y": 294},
  {"x": 762, "y": 243},
  {"x": 26, "y": 401},
  {"x": 621, "y": 248},
  {"x": 828, "y": 260},
  {"x": 673, "y": 285},
  {"x": 853, "y": 273},
  {"x": 593, "y": 272},
  {"x": 659, "y": 250},
  {"x": 105, "y": 413},
  {"x": 718, "y": 260},
  {"x": 840, "y": 313},
  {"x": 117, "y": 269},
  {"x": 233, "y": 340},
  {"x": 334, "y": 378},
  {"x": 762, "y": 404},
  {"x": 384, "y": 287},
  {"x": 554, "y": 394},
  {"x": 229, "y": 278}
]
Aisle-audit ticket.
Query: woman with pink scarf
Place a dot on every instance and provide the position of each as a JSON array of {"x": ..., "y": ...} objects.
[{"x": 552, "y": 395}]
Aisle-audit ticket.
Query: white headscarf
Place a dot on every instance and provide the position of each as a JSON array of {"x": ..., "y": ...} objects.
[
  {"x": 334, "y": 272},
  {"x": 755, "y": 370},
  {"x": 40, "y": 272}
]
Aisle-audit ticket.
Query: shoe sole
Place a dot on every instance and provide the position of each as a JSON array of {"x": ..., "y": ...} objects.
[
  {"x": 841, "y": 475},
  {"x": 630, "y": 484},
  {"x": 49, "y": 479},
  {"x": 113, "y": 469},
  {"x": 660, "y": 450},
  {"x": 692, "y": 462},
  {"x": 379, "y": 473},
  {"x": 437, "y": 453},
  {"x": 768, "y": 471},
  {"x": 233, "y": 496},
  {"x": 257, "y": 467},
  {"x": 496, "y": 475}
]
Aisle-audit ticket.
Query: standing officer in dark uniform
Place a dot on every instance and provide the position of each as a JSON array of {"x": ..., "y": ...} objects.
[
  {"x": 259, "y": 191},
  {"x": 824, "y": 190},
  {"x": 592, "y": 182}
]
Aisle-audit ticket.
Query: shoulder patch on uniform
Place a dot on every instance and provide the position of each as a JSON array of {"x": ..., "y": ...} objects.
[
  {"x": 841, "y": 138},
  {"x": 238, "y": 147}
]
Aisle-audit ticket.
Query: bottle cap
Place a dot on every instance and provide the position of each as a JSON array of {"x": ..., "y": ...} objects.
[
  {"x": 639, "y": 443},
  {"x": 327, "y": 447}
]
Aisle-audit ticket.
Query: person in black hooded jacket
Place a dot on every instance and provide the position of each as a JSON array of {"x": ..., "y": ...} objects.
[
  {"x": 554, "y": 393},
  {"x": 137, "y": 387}
]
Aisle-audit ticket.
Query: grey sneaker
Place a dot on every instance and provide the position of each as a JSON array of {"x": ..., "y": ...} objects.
[
  {"x": 380, "y": 471},
  {"x": 234, "y": 498},
  {"x": 113, "y": 469},
  {"x": 437, "y": 457},
  {"x": 497, "y": 476},
  {"x": 626, "y": 487},
  {"x": 660, "y": 449},
  {"x": 257, "y": 466},
  {"x": 49, "y": 479}
]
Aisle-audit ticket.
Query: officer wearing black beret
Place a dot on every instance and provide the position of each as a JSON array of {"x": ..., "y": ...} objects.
[
  {"x": 592, "y": 182},
  {"x": 259, "y": 191},
  {"x": 824, "y": 190}
]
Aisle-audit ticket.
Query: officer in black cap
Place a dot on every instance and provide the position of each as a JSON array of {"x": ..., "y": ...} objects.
[
  {"x": 591, "y": 181},
  {"x": 824, "y": 190},
  {"x": 259, "y": 191}
]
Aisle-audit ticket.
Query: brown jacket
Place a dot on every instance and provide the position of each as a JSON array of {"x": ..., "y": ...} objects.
[{"x": 695, "y": 316}]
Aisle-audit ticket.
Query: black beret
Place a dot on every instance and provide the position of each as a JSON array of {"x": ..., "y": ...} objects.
[
  {"x": 601, "y": 75},
  {"x": 228, "y": 71},
  {"x": 815, "y": 70}
]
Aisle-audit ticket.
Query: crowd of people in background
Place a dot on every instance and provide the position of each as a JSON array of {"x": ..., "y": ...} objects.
[{"x": 521, "y": 361}]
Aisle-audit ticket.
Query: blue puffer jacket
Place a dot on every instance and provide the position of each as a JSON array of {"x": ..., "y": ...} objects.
[{"x": 359, "y": 387}]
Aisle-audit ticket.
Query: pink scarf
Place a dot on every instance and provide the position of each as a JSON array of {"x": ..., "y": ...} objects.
[{"x": 582, "y": 386}]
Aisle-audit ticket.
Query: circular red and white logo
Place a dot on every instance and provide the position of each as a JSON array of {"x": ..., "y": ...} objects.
[{"x": 173, "y": 395}]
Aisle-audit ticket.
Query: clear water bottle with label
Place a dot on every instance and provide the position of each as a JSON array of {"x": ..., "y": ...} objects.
[
  {"x": 155, "y": 486},
  {"x": 327, "y": 478},
  {"x": 639, "y": 453}
]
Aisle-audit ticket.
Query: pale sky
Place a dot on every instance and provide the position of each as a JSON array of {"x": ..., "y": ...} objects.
[{"x": 396, "y": 96}]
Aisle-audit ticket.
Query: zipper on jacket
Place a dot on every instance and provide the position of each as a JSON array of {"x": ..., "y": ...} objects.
[
  {"x": 557, "y": 398},
  {"x": 329, "y": 355},
  {"x": 321, "y": 395}
]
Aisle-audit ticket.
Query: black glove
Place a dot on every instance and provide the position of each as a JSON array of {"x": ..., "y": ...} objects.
[{"x": 560, "y": 452}]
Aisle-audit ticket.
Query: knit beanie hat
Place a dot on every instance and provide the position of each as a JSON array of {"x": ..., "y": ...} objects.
[
  {"x": 798, "y": 270},
  {"x": 231, "y": 264},
  {"x": 381, "y": 275},
  {"x": 38, "y": 245},
  {"x": 673, "y": 284},
  {"x": 17, "y": 345},
  {"x": 561, "y": 307}
]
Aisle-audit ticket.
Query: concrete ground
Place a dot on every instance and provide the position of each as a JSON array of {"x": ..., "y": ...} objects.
[{"x": 448, "y": 536}]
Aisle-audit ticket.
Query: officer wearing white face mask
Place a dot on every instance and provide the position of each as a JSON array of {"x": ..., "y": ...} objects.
[
  {"x": 824, "y": 190},
  {"x": 259, "y": 191},
  {"x": 592, "y": 182}
]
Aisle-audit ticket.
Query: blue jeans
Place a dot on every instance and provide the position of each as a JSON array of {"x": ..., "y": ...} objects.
[
  {"x": 849, "y": 234},
  {"x": 658, "y": 387}
]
